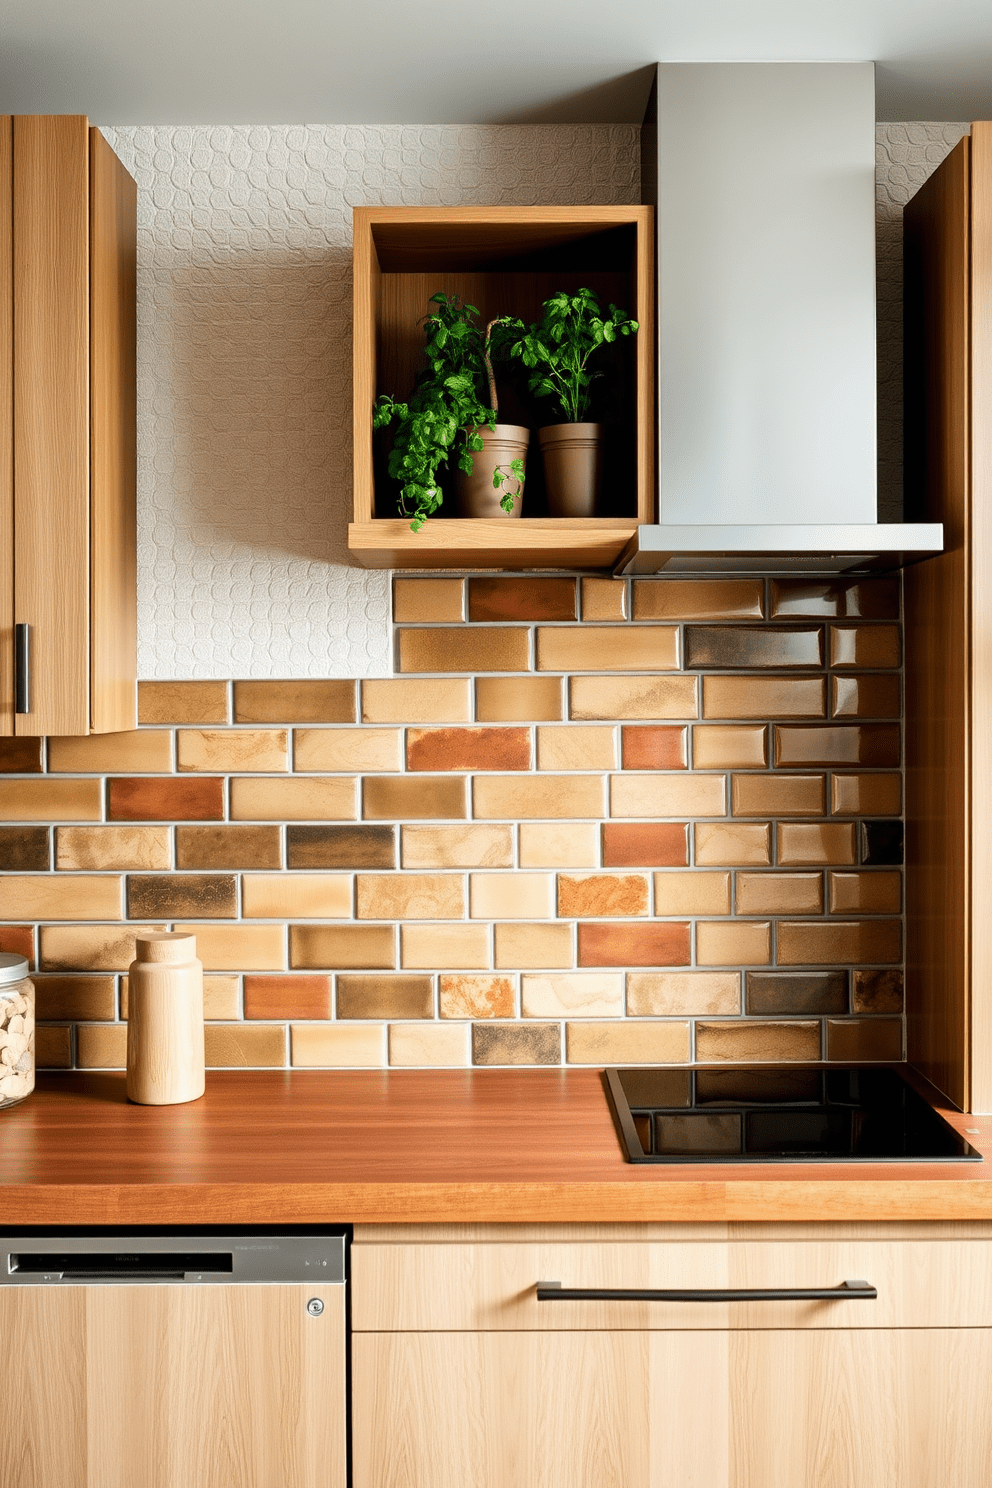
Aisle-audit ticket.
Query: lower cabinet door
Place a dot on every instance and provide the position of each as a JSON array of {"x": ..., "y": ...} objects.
[
  {"x": 172, "y": 1387},
  {"x": 900, "y": 1408}
]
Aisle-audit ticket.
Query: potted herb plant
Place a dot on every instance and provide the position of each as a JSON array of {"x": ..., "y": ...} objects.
[
  {"x": 556, "y": 351},
  {"x": 446, "y": 418}
]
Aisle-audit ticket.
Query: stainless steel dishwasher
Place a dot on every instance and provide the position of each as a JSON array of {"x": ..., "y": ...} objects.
[{"x": 154, "y": 1358}]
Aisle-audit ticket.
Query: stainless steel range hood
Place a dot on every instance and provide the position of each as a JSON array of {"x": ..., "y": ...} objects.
[{"x": 764, "y": 179}]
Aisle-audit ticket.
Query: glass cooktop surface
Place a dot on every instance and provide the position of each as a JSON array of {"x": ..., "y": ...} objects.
[{"x": 777, "y": 1113}]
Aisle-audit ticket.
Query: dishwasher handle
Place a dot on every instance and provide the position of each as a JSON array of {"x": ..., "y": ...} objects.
[{"x": 850, "y": 1291}]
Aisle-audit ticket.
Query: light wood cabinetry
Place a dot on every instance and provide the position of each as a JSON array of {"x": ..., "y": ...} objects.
[{"x": 67, "y": 426}]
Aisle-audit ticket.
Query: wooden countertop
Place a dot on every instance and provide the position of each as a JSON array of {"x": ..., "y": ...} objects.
[{"x": 413, "y": 1146}]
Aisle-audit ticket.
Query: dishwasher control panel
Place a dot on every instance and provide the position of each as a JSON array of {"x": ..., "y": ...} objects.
[{"x": 47, "y": 1258}]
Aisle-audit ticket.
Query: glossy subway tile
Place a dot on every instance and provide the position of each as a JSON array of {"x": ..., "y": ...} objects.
[
  {"x": 729, "y": 746},
  {"x": 468, "y": 749},
  {"x": 535, "y": 797},
  {"x": 667, "y": 794},
  {"x": 585, "y": 747},
  {"x": 645, "y": 844},
  {"x": 778, "y": 795},
  {"x": 791, "y": 993},
  {"x": 653, "y": 747},
  {"x": 622, "y": 698},
  {"x": 837, "y": 942},
  {"x": 240, "y": 1046},
  {"x": 733, "y": 942},
  {"x": 878, "y": 991},
  {"x": 875, "y": 695},
  {"x": 595, "y": 648},
  {"x": 284, "y": 997},
  {"x": 869, "y": 795},
  {"x": 520, "y": 947},
  {"x": 338, "y": 847},
  {"x": 732, "y": 844},
  {"x": 749, "y": 646},
  {"x": 335, "y": 947},
  {"x": 430, "y": 601},
  {"x": 47, "y": 800},
  {"x": 758, "y": 1042},
  {"x": 799, "y": 844},
  {"x": 91, "y": 999},
  {"x": 18, "y": 940},
  {"x": 625, "y": 944},
  {"x": 183, "y": 702},
  {"x": 869, "y": 599},
  {"x": 695, "y": 892},
  {"x": 20, "y": 756},
  {"x": 521, "y": 598},
  {"x": 441, "y": 947},
  {"x": 605, "y": 599},
  {"x": 227, "y": 750},
  {"x": 871, "y": 744},
  {"x": 779, "y": 893},
  {"x": 559, "y": 844},
  {"x": 519, "y": 699},
  {"x": 880, "y": 842},
  {"x": 60, "y": 897},
  {"x": 301, "y": 701},
  {"x": 855, "y": 1039},
  {"x": 865, "y": 893},
  {"x": 295, "y": 798},
  {"x": 291, "y": 896},
  {"x": 699, "y": 599},
  {"x": 417, "y": 700},
  {"x": 466, "y": 649},
  {"x": 239, "y": 947},
  {"x": 141, "y": 751},
  {"x": 872, "y": 646},
  {"x": 511, "y": 896},
  {"x": 764, "y": 697}
]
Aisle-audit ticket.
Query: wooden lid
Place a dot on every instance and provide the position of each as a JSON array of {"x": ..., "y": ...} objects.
[{"x": 164, "y": 945}]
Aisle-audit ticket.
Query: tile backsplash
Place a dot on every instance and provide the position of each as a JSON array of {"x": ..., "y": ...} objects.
[{"x": 587, "y": 822}]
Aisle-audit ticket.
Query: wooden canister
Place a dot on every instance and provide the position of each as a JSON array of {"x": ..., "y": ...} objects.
[{"x": 165, "y": 1059}]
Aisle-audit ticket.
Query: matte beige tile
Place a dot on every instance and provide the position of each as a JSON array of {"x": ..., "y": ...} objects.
[
  {"x": 869, "y": 744},
  {"x": 93, "y": 848},
  {"x": 518, "y": 699},
  {"x": 764, "y": 697},
  {"x": 417, "y": 700},
  {"x": 437, "y": 947},
  {"x": 750, "y": 1042},
  {"x": 741, "y": 746},
  {"x": 840, "y": 943},
  {"x": 240, "y": 1046},
  {"x": 732, "y": 843},
  {"x": 865, "y": 893},
  {"x": 280, "y": 997},
  {"x": 559, "y": 845},
  {"x": 227, "y": 847},
  {"x": 53, "y": 1048},
  {"x": 58, "y": 897},
  {"x": 866, "y": 795},
  {"x": 296, "y": 896},
  {"x": 511, "y": 896},
  {"x": 523, "y": 947},
  {"x": 801, "y": 843},
  {"x": 632, "y": 697},
  {"x": 878, "y": 992},
  {"x": 691, "y": 893},
  {"x": 692, "y": 994},
  {"x": 672, "y": 794},
  {"x": 851, "y": 1040},
  {"x": 221, "y": 996},
  {"x": 469, "y": 846},
  {"x": 225, "y": 750},
  {"x": 239, "y": 947},
  {"x": 865, "y": 646},
  {"x": 141, "y": 750},
  {"x": 630, "y": 943},
  {"x": 627, "y": 1043},
  {"x": 432, "y": 600},
  {"x": 301, "y": 798},
  {"x": 576, "y": 749},
  {"x": 474, "y": 648},
  {"x": 598, "y": 895},
  {"x": 318, "y": 701},
  {"x": 101, "y": 1046},
  {"x": 468, "y": 749},
  {"x": 336, "y": 1046},
  {"x": 432, "y": 1045},
  {"x": 88, "y": 947},
  {"x": 779, "y": 893},
  {"x": 169, "y": 896},
  {"x": 871, "y": 696},
  {"x": 477, "y": 996},
  {"x": 410, "y": 896},
  {"x": 521, "y": 598},
  {"x": 598, "y": 648},
  {"x": 334, "y": 947},
  {"x": 533, "y": 1043},
  {"x": 183, "y": 702},
  {"x": 605, "y": 599},
  {"x": 537, "y": 796},
  {"x": 778, "y": 795},
  {"x": 413, "y": 797},
  {"x": 45, "y": 800},
  {"x": 581, "y": 994},
  {"x": 733, "y": 942},
  {"x": 698, "y": 599},
  {"x": 90, "y": 998},
  {"x": 385, "y": 997},
  {"x": 870, "y": 599},
  {"x": 348, "y": 749}
]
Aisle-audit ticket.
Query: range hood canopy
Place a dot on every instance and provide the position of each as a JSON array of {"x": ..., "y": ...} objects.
[{"x": 665, "y": 551}]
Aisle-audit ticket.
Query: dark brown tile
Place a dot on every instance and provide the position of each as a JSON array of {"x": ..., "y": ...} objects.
[
  {"x": 645, "y": 844},
  {"x": 276, "y": 997},
  {"x": 853, "y": 1039},
  {"x": 536, "y": 1043},
  {"x": 171, "y": 896},
  {"x": 228, "y": 847},
  {"x": 865, "y": 646},
  {"x": 88, "y": 998},
  {"x": 185, "y": 798},
  {"x": 20, "y": 756},
  {"x": 340, "y": 847},
  {"x": 653, "y": 747},
  {"x": 468, "y": 749},
  {"x": 771, "y": 992},
  {"x": 322, "y": 701},
  {"x": 18, "y": 940},
  {"x": 25, "y": 850},
  {"x": 665, "y": 943},
  {"x": 839, "y": 942},
  {"x": 878, "y": 991},
  {"x": 752, "y": 646},
  {"x": 385, "y": 997},
  {"x": 418, "y": 798},
  {"x": 880, "y": 842},
  {"x": 467, "y": 649},
  {"x": 521, "y": 599},
  {"x": 745, "y": 1042},
  {"x": 871, "y": 599},
  {"x": 874, "y": 744}
]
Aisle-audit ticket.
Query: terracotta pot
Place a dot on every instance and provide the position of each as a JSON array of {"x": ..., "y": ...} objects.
[
  {"x": 572, "y": 457},
  {"x": 477, "y": 496}
]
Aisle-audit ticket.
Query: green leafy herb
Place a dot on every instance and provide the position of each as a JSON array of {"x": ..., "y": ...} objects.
[{"x": 557, "y": 348}]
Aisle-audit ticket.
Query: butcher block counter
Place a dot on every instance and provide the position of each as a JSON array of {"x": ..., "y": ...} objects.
[{"x": 416, "y": 1147}]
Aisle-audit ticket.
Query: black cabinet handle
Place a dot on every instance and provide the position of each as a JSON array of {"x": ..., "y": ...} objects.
[
  {"x": 22, "y": 669},
  {"x": 852, "y": 1291}
]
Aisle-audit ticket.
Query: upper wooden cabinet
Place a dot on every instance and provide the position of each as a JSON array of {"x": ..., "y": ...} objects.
[{"x": 67, "y": 427}]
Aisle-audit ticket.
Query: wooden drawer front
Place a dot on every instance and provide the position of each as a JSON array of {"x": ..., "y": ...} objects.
[{"x": 424, "y": 1288}]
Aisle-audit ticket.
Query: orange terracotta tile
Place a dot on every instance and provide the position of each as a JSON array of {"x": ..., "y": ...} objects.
[
  {"x": 226, "y": 750},
  {"x": 518, "y": 699},
  {"x": 337, "y": 1046},
  {"x": 559, "y": 845},
  {"x": 596, "y": 895},
  {"x": 627, "y": 1043},
  {"x": 748, "y": 1041},
  {"x": 665, "y": 943},
  {"x": 142, "y": 750},
  {"x": 645, "y": 844},
  {"x": 348, "y": 749},
  {"x": 802, "y": 843},
  {"x": 471, "y": 846},
  {"x": 183, "y": 702},
  {"x": 226, "y": 847},
  {"x": 89, "y": 848},
  {"x": 53, "y": 1048},
  {"x": 570, "y": 748},
  {"x": 18, "y": 940},
  {"x": 235, "y": 1046},
  {"x": 529, "y": 947},
  {"x": 661, "y": 747},
  {"x": 410, "y": 896},
  {"x": 691, "y": 893},
  {"x": 25, "y": 849},
  {"x": 598, "y": 648},
  {"x": 385, "y": 997},
  {"x": 852, "y": 1040},
  {"x": 873, "y": 744},
  {"x": 169, "y": 896},
  {"x": 839, "y": 942},
  {"x": 666, "y": 994},
  {"x": 866, "y": 696},
  {"x": 436, "y": 947},
  {"x": 46, "y": 800},
  {"x": 733, "y": 942},
  {"x": 604, "y": 599},
  {"x": 534, "y": 1043},
  {"x": 537, "y": 796},
  {"x": 871, "y": 599},
  {"x": 777, "y": 795},
  {"x": 432, "y": 600},
  {"x": 296, "y": 896},
  {"x": 865, "y": 646},
  {"x": 865, "y": 893},
  {"x": 632, "y": 697},
  {"x": 878, "y": 992},
  {"x": 764, "y": 697},
  {"x": 239, "y": 947},
  {"x": 191, "y": 798},
  {"x": 866, "y": 795},
  {"x": 521, "y": 598},
  {"x": 698, "y": 599},
  {"x": 323, "y": 701},
  {"x": 476, "y": 649},
  {"x": 406, "y": 798},
  {"x": 511, "y": 896},
  {"x": 417, "y": 700},
  {"x": 90, "y": 998},
  {"x": 667, "y": 795},
  {"x": 779, "y": 893},
  {"x": 716, "y": 747},
  {"x": 282, "y": 997},
  {"x": 468, "y": 749},
  {"x": 429, "y": 1045},
  {"x": 299, "y": 798},
  {"x": 752, "y": 646},
  {"x": 54, "y": 897},
  {"x": 332, "y": 947},
  {"x": 771, "y": 993},
  {"x": 87, "y": 947},
  {"x": 20, "y": 756},
  {"x": 340, "y": 847},
  {"x": 101, "y": 1046},
  {"x": 730, "y": 844},
  {"x": 477, "y": 996},
  {"x": 583, "y": 994}
]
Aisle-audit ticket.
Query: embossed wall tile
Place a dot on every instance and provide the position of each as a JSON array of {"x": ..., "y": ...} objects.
[
  {"x": 730, "y": 844},
  {"x": 436, "y": 601},
  {"x": 437, "y": 947},
  {"x": 511, "y": 896},
  {"x": 570, "y": 748},
  {"x": 733, "y": 942},
  {"x": 411, "y": 798},
  {"x": 777, "y": 795},
  {"x": 291, "y": 896},
  {"x": 865, "y": 893},
  {"x": 54, "y": 897},
  {"x": 566, "y": 994},
  {"x": 25, "y": 849},
  {"x": 332, "y": 947},
  {"x": 87, "y": 947},
  {"x": 599, "y": 895},
  {"x": 283, "y": 997},
  {"x": 865, "y": 646},
  {"x": 136, "y": 752},
  {"x": 851, "y": 1040},
  {"x": 337, "y": 1046},
  {"x": 190, "y": 798},
  {"x": 468, "y": 749},
  {"x": 477, "y": 996},
  {"x": 595, "y": 648},
  {"x": 46, "y": 800},
  {"x": 872, "y": 744},
  {"x": 661, "y": 747},
  {"x": 870, "y": 695},
  {"x": 871, "y": 599},
  {"x": 878, "y": 991},
  {"x": 664, "y": 943},
  {"x": 417, "y": 700},
  {"x": 297, "y": 701},
  {"x": 95, "y": 848},
  {"x": 469, "y": 649},
  {"x": 53, "y": 1048},
  {"x": 691, "y": 893},
  {"x": 801, "y": 843},
  {"x": 500, "y": 1043},
  {"x": 86, "y": 998},
  {"x": 339, "y": 847},
  {"x": 875, "y": 795},
  {"x": 520, "y": 947},
  {"x": 226, "y": 750},
  {"x": 385, "y": 996},
  {"x": 518, "y": 699},
  {"x": 183, "y": 702},
  {"x": 537, "y": 796},
  {"x": 298, "y": 798},
  {"x": 101, "y": 1046},
  {"x": 627, "y": 1043},
  {"x": 792, "y": 992},
  {"x": 840, "y": 943},
  {"x": 410, "y": 896},
  {"x": 693, "y": 994},
  {"x": 239, "y": 947},
  {"x": 521, "y": 598},
  {"x": 721, "y": 747},
  {"x": 632, "y": 697},
  {"x": 752, "y": 1042},
  {"x": 431, "y": 1045},
  {"x": 223, "y": 847},
  {"x": 657, "y": 795},
  {"x": 645, "y": 844},
  {"x": 559, "y": 845},
  {"x": 168, "y": 896},
  {"x": 236, "y": 1046},
  {"x": 475, "y": 845},
  {"x": 750, "y": 646},
  {"x": 699, "y": 599},
  {"x": 779, "y": 893},
  {"x": 20, "y": 756},
  {"x": 604, "y": 599},
  {"x": 764, "y": 697}
]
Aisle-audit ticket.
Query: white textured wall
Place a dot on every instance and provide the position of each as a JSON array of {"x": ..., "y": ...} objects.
[{"x": 244, "y": 353}]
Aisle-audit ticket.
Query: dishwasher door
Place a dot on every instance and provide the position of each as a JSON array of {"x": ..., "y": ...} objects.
[{"x": 158, "y": 1359}]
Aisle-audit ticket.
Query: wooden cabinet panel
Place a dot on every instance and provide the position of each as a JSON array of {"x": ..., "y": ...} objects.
[{"x": 6, "y": 431}]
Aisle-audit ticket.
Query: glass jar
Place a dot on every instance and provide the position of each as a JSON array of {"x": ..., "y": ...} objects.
[{"x": 16, "y": 1029}]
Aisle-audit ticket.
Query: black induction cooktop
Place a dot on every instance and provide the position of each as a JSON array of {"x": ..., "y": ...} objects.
[{"x": 778, "y": 1113}]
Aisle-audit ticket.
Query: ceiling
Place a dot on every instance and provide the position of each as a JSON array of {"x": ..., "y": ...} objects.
[{"x": 389, "y": 61}]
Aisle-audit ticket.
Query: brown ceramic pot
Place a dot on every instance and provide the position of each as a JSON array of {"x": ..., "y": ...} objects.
[
  {"x": 477, "y": 496},
  {"x": 572, "y": 457}
]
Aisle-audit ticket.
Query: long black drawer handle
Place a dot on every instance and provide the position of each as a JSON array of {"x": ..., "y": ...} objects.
[
  {"x": 851, "y": 1291},
  {"x": 22, "y": 669}
]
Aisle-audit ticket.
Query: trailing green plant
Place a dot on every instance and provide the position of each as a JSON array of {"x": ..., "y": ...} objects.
[
  {"x": 445, "y": 411},
  {"x": 557, "y": 348}
]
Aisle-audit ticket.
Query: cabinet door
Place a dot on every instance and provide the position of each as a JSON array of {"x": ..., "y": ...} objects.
[
  {"x": 6, "y": 431},
  {"x": 171, "y": 1387}
]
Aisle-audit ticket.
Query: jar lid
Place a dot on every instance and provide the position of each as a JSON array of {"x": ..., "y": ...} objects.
[{"x": 13, "y": 968}]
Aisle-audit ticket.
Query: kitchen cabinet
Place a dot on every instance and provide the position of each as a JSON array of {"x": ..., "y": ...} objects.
[
  {"x": 67, "y": 429},
  {"x": 460, "y": 1375}
]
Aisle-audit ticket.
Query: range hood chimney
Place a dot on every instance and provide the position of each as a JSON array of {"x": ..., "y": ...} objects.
[{"x": 763, "y": 175}]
